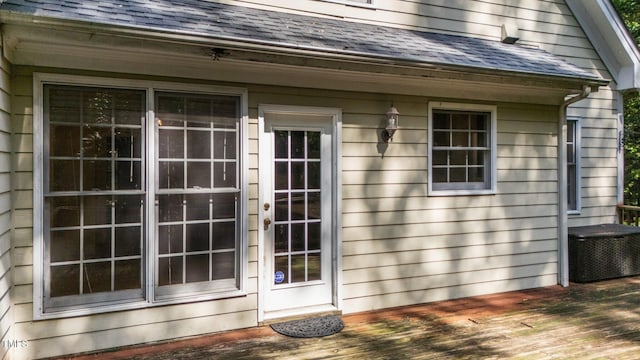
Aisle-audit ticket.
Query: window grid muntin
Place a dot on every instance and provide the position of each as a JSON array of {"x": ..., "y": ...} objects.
[
  {"x": 82, "y": 194},
  {"x": 183, "y": 123},
  {"x": 481, "y": 133},
  {"x": 289, "y": 222},
  {"x": 106, "y": 302}
]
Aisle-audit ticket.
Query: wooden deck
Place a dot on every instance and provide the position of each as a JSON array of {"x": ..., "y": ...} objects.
[{"x": 585, "y": 321}]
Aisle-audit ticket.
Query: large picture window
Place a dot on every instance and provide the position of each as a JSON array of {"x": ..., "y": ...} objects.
[
  {"x": 139, "y": 186},
  {"x": 461, "y": 149}
]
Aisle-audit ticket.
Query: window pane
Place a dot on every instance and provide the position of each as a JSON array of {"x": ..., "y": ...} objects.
[
  {"x": 441, "y": 138},
  {"x": 169, "y": 239},
  {"x": 96, "y": 175},
  {"x": 440, "y": 157},
  {"x": 281, "y": 139},
  {"x": 224, "y": 206},
  {"x": 281, "y": 238},
  {"x": 170, "y": 270},
  {"x": 479, "y": 121},
  {"x": 314, "y": 205},
  {"x": 224, "y": 145},
  {"x": 128, "y": 143},
  {"x": 297, "y": 144},
  {"x": 458, "y": 175},
  {"x": 171, "y": 175},
  {"x": 282, "y": 207},
  {"x": 476, "y": 174},
  {"x": 170, "y": 207},
  {"x": 127, "y": 274},
  {"x": 459, "y": 121},
  {"x": 457, "y": 157},
  {"x": 440, "y": 175},
  {"x": 198, "y": 144},
  {"x": 476, "y": 157},
  {"x": 224, "y": 235},
  {"x": 128, "y": 175},
  {"x": 460, "y": 139},
  {"x": 298, "y": 238},
  {"x": 128, "y": 209},
  {"x": 197, "y": 237},
  {"x": 65, "y": 280},
  {"x": 298, "y": 209},
  {"x": 297, "y": 175},
  {"x": 298, "y": 268},
  {"x": 314, "y": 175},
  {"x": 224, "y": 174},
  {"x": 64, "y": 140},
  {"x": 281, "y": 175},
  {"x": 170, "y": 110},
  {"x": 64, "y": 211},
  {"x": 65, "y": 104},
  {"x": 97, "y": 243},
  {"x": 171, "y": 144},
  {"x": 198, "y": 112},
  {"x": 223, "y": 266},
  {"x": 97, "y": 210},
  {"x": 96, "y": 141},
  {"x": 65, "y": 245},
  {"x": 96, "y": 277},
  {"x": 197, "y": 268},
  {"x": 314, "y": 267},
  {"x": 129, "y": 107},
  {"x": 313, "y": 145},
  {"x": 313, "y": 236},
  {"x": 197, "y": 207},
  {"x": 64, "y": 175},
  {"x": 97, "y": 106},
  {"x": 198, "y": 175},
  {"x": 282, "y": 265},
  {"x": 441, "y": 121},
  {"x": 128, "y": 241}
]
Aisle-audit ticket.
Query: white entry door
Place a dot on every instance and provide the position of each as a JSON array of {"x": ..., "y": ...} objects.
[{"x": 297, "y": 179}]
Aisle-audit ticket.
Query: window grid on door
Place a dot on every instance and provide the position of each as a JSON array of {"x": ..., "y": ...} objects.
[{"x": 297, "y": 194}]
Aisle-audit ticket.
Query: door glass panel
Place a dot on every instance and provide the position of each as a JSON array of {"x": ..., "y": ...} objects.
[{"x": 297, "y": 226}]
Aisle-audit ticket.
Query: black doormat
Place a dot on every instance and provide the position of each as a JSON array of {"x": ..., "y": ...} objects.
[{"x": 308, "y": 328}]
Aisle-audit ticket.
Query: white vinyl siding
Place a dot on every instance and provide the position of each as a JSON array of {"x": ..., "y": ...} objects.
[{"x": 6, "y": 205}]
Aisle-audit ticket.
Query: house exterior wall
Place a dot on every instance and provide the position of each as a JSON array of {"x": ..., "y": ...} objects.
[
  {"x": 6, "y": 235},
  {"x": 547, "y": 24},
  {"x": 400, "y": 245}
]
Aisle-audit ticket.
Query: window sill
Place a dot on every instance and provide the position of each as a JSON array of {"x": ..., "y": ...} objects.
[
  {"x": 461, "y": 192},
  {"x": 60, "y": 313}
]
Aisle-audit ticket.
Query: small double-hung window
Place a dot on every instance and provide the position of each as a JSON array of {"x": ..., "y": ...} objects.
[
  {"x": 461, "y": 149},
  {"x": 141, "y": 193}
]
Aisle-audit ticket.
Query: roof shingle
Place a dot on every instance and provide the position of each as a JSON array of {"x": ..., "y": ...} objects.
[{"x": 222, "y": 21}]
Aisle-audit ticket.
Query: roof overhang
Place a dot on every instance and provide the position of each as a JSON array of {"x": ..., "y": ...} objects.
[
  {"x": 37, "y": 41},
  {"x": 610, "y": 38}
]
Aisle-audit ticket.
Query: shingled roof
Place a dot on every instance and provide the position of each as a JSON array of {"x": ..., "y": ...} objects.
[{"x": 216, "y": 21}]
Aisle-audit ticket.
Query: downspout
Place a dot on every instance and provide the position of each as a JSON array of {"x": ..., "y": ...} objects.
[{"x": 563, "y": 221}]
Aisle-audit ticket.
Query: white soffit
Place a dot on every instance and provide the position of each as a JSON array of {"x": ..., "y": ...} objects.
[{"x": 612, "y": 41}]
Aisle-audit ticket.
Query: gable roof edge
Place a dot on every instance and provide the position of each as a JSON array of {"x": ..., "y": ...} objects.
[{"x": 611, "y": 39}]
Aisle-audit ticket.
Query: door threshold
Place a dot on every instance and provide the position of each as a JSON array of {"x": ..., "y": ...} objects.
[{"x": 272, "y": 317}]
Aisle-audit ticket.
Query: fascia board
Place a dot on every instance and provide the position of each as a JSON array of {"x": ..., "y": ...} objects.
[{"x": 606, "y": 32}]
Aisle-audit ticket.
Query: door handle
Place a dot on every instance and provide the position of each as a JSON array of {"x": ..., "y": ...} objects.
[{"x": 267, "y": 222}]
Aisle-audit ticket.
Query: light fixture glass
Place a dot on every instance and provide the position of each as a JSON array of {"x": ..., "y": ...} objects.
[{"x": 392, "y": 124}]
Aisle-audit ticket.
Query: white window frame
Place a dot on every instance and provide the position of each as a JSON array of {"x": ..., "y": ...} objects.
[
  {"x": 577, "y": 139},
  {"x": 491, "y": 183},
  {"x": 148, "y": 285}
]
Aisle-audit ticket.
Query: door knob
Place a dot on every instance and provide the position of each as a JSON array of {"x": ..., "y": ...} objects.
[{"x": 267, "y": 222}]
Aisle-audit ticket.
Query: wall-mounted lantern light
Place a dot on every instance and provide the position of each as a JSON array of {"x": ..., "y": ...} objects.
[{"x": 392, "y": 124}]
